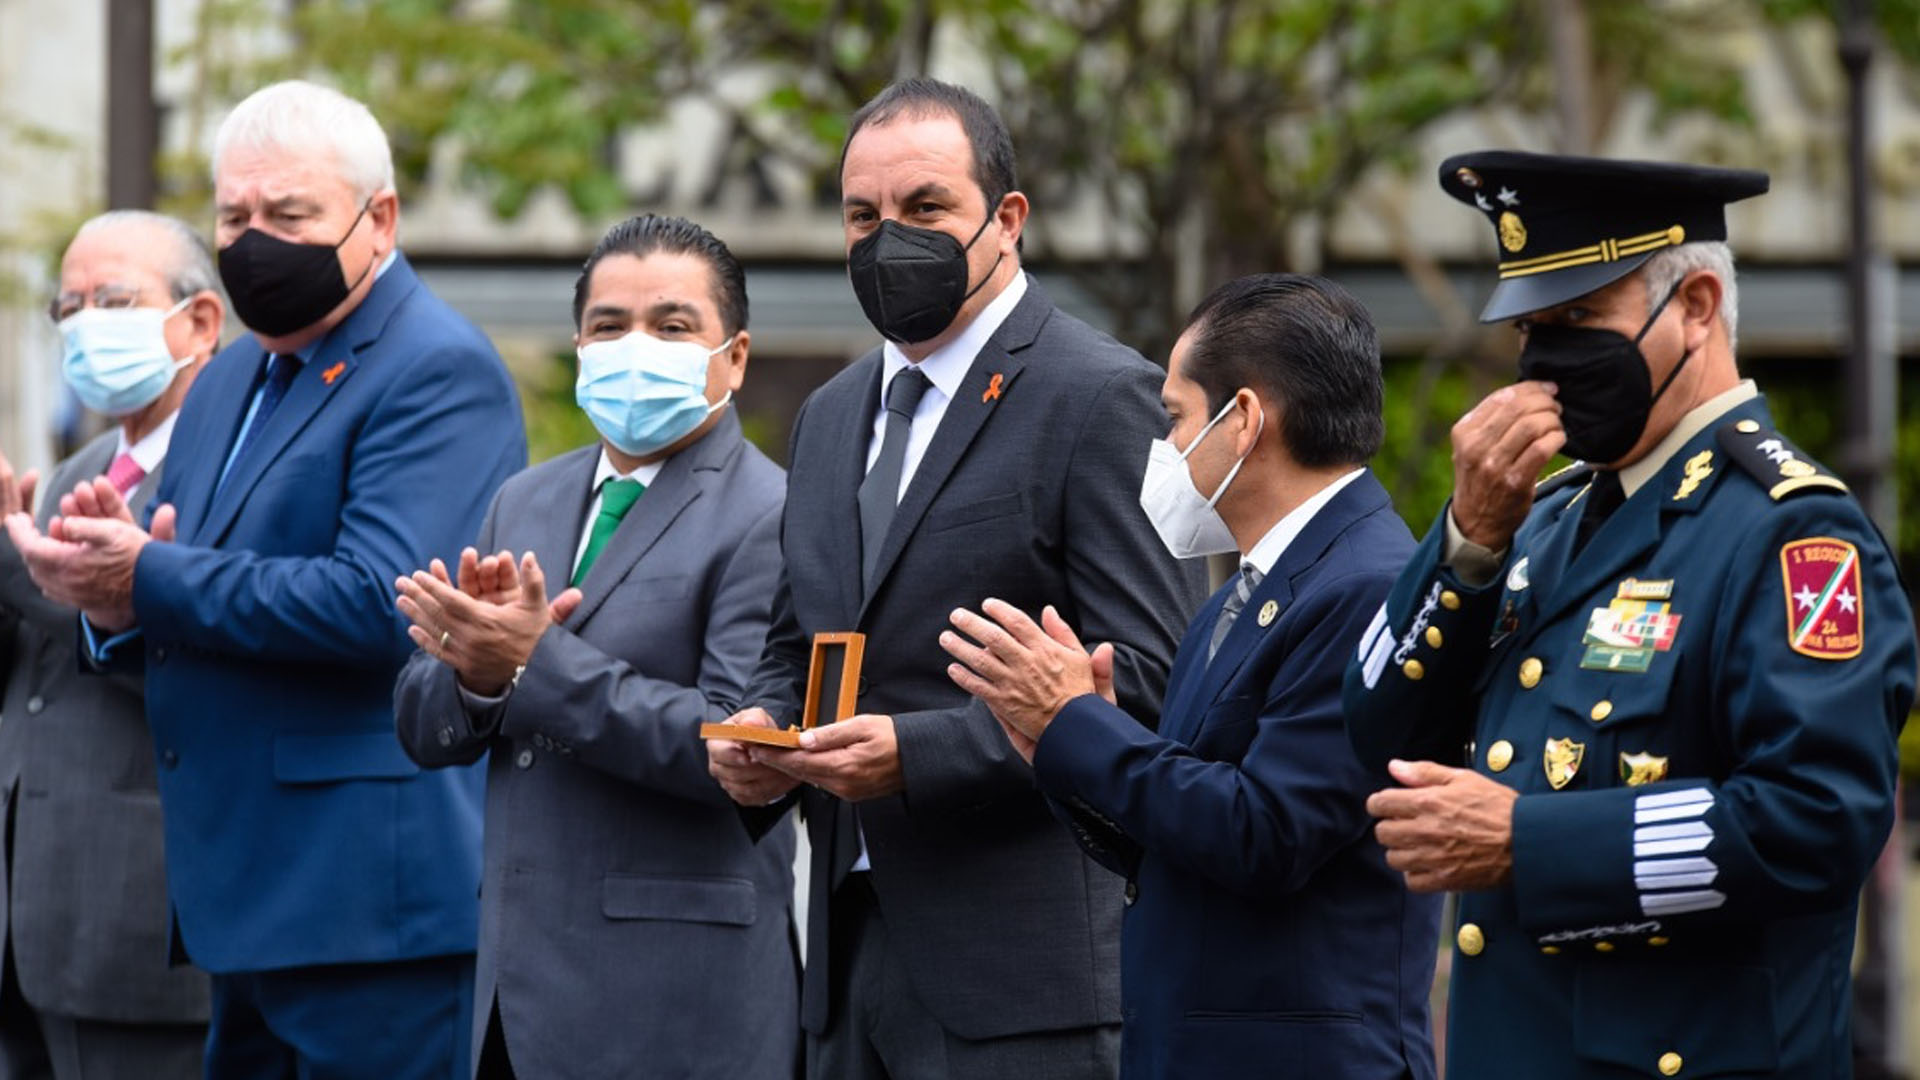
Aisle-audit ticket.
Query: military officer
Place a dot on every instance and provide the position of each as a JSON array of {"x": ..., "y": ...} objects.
[{"x": 1678, "y": 668}]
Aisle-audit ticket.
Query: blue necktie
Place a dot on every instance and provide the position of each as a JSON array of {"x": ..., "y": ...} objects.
[{"x": 280, "y": 372}]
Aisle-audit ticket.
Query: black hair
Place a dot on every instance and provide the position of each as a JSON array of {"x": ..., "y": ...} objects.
[
  {"x": 918, "y": 99},
  {"x": 1305, "y": 341},
  {"x": 649, "y": 233}
]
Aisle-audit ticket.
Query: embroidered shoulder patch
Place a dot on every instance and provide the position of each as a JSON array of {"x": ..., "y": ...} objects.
[{"x": 1826, "y": 613}]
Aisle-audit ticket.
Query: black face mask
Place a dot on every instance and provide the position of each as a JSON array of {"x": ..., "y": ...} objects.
[
  {"x": 278, "y": 287},
  {"x": 1606, "y": 392},
  {"x": 912, "y": 282}
]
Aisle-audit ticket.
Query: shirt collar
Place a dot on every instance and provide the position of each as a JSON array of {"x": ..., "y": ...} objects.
[
  {"x": 1266, "y": 554},
  {"x": 606, "y": 471},
  {"x": 946, "y": 366},
  {"x": 151, "y": 450},
  {"x": 1633, "y": 477}
]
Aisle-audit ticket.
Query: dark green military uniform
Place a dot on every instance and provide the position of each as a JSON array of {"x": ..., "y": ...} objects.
[{"x": 1699, "y": 710}]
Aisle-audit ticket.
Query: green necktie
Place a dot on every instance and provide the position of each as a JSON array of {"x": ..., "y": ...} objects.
[{"x": 616, "y": 498}]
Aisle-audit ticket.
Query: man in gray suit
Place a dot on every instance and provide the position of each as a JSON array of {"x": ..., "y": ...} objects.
[
  {"x": 994, "y": 447},
  {"x": 87, "y": 989},
  {"x": 628, "y": 926}
]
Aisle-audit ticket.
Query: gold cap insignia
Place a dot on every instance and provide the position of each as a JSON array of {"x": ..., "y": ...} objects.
[
  {"x": 1468, "y": 178},
  {"x": 1513, "y": 235},
  {"x": 1638, "y": 769},
  {"x": 1563, "y": 761}
]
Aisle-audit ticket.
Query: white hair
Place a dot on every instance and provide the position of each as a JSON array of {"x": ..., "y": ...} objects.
[
  {"x": 187, "y": 265},
  {"x": 1667, "y": 266},
  {"x": 296, "y": 117}
]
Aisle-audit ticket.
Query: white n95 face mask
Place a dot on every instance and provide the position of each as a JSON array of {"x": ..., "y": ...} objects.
[
  {"x": 1185, "y": 519},
  {"x": 116, "y": 359},
  {"x": 643, "y": 393}
]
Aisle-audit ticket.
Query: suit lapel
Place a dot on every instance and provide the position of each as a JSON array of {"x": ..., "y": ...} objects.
[
  {"x": 332, "y": 364},
  {"x": 88, "y": 462},
  {"x": 966, "y": 414},
  {"x": 225, "y": 384},
  {"x": 842, "y": 494},
  {"x": 1249, "y": 633},
  {"x": 555, "y": 517},
  {"x": 1179, "y": 712}
]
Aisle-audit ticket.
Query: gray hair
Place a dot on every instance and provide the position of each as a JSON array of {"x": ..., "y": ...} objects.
[
  {"x": 296, "y": 117},
  {"x": 187, "y": 265},
  {"x": 1667, "y": 266}
]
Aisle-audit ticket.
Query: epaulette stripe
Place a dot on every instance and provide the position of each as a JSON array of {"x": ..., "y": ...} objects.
[{"x": 1787, "y": 487}]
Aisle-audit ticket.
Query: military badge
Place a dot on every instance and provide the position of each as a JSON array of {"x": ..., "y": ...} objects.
[
  {"x": 1638, "y": 769},
  {"x": 1624, "y": 635},
  {"x": 1517, "y": 577},
  {"x": 1649, "y": 589},
  {"x": 1562, "y": 761},
  {"x": 1513, "y": 234},
  {"x": 1826, "y": 612}
]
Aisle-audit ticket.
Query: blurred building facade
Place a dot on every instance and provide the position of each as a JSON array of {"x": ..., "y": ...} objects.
[{"x": 514, "y": 277}]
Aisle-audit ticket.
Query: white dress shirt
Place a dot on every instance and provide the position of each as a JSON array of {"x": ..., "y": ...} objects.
[{"x": 946, "y": 368}]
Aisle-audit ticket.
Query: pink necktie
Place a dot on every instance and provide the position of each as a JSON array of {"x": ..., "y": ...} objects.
[{"x": 125, "y": 474}]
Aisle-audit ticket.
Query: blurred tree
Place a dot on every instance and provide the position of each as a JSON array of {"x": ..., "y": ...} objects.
[{"x": 1210, "y": 137}]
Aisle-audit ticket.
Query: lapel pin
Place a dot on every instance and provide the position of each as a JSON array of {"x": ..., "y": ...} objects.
[
  {"x": 333, "y": 372},
  {"x": 1267, "y": 611},
  {"x": 993, "y": 389}
]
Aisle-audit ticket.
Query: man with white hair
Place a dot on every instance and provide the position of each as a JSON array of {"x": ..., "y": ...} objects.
[
  {"x": 1674, "y": 672},
  {"x": 87, "y": 990},
  {"x": 358, "y": 431}
]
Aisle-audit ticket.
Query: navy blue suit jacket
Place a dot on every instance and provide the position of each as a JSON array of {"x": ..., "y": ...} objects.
[
  {"x": 298, "y": 832},
  {"x": 1265, "y": 934}
]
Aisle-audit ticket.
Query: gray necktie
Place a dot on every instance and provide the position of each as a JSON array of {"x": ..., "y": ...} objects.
[
  {"x": 1243, "y": 586},
  {"x": 880, "y": 491}
]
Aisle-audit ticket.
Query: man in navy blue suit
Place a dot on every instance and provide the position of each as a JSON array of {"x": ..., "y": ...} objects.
[
  {"x": 1265, "y": 934},
  {"x": 359, "y": 430}
]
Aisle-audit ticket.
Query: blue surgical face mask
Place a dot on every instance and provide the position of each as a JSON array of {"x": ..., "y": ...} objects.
[
  {"x": 644, "y": 394},
  {"x": 116, "y": 359}
]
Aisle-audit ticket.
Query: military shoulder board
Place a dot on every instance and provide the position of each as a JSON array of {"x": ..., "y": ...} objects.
[
  {"x": 1576, "y": 473},
  {"x": 1776, "y": 464}
]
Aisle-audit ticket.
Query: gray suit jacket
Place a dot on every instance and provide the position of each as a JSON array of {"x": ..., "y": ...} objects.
[
  {"x": 1030, "y": 494},
  {"x": 628, "y": 927},
  {"x": 86, "y": 904}
]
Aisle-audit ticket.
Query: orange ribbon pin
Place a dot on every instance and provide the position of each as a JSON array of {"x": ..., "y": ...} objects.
[
  {"x": 993, "y": 389},
  {"x": 333, "y": 372}
]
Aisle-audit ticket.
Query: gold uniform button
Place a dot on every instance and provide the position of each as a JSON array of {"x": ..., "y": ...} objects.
[
  {"x": 1414, "y": 669},
  {"x": 1500, "y": 755},
  {"x": 1747, "y": 427},
  {"x": 1603, "y": 946},
  {"x": 1670, "y": 1064},
  {"x": 1601, "y": 710},
  {"x": 1550, "y": 950},
  {"x": 1450, "y": 600},
  {"x": 1530, "y": 671},
  {"x": 1470, "y": 939},
  {"x": 1434, "y": 637},
  {"x": 1656, "y": 942}
]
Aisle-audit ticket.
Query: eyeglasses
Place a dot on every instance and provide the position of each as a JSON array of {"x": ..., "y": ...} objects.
[{"x": 106, "y": 296}]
